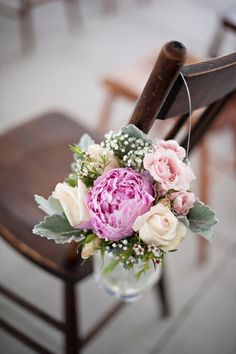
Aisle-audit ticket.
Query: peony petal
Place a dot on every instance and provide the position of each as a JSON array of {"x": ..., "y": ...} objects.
[{"x": 123, "y": 194}]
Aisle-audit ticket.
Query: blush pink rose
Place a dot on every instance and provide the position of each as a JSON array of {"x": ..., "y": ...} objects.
[
  {"x": 171, "y": 145},
  {"x": 186, "y": 177},
  {"x": 182, "y": 202},
  {"x": 168, "y": 170},
  {"x": 117, "y": 198}
]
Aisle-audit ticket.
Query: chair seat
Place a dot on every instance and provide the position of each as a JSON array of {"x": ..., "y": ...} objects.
[{"x": 34, "y": 158}]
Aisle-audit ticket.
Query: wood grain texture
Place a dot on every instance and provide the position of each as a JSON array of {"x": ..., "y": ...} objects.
[
  {"x": 161, "y": 79},
  {"x": 207, "y": 81}
]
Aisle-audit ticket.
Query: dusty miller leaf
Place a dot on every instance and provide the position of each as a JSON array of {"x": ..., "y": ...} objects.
[
  {"x": 201, "y": 220},
  {"x": 132, "y": 130},
  {"x": 85, "y": 142},
  {"x": 50, "y": 206},
  {"x": 57, "y": 228}
]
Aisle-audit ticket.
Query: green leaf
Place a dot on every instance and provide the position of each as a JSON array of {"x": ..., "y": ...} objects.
[
  {"x": 89, "y": 238},
  {"x": 88, "y": 181},
  {"x": 57, "y": 228},
  {"x": 85, "y": 142},
  {"x": 102, "y": 248},
  {"x": 132, "y": 130},
  {"x": 111, "y": 266},
  {"x": 79, "y": 154},
  {"x": 50, "y": 206},
  {"x": 201, "y": 220},
  {"x": 143, "y": 270},
  {"x": 72, "y": 180}
]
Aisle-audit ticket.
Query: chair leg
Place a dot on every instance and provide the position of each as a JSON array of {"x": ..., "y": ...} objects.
[
  {"x": 73, "y": 14},
  {"x": 161, "y": 289},
  {"x": 204, "y": 185},
  {"x": 26, "y": 26},
  {"x": 71, "y": 335},
  {"x": 213, "y": 51},
  {"x": 109, "y": 5}
]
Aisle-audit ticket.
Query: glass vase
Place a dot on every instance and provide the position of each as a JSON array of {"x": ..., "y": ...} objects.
[{"x": 122, "y": 283}]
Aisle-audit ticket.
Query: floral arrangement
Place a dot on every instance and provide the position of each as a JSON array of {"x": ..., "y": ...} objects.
[{"x": 129, "y": 197}]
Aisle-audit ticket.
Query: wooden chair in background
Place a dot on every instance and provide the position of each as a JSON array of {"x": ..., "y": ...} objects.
[
  {"x": 42, "y": 146},
  {"x": 23, "y": 13},
  {"x": 226, "y": 24}
]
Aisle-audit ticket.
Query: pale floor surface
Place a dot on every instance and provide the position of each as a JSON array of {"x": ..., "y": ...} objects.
[{"x": 62, "y": 72}]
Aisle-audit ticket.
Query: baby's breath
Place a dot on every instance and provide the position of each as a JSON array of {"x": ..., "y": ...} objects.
[{"x": 129, "y": 149}]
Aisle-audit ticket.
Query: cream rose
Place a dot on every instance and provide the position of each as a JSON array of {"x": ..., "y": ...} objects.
[
  {"x": 90, "y": 248},
  {"x": 73, "y": 203},
  {"x": 160, "y": 227},
  {"x": 96, "y": 151}
]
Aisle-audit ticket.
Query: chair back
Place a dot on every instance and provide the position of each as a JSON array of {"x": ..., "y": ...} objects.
[{"x": 211, "y": 84}]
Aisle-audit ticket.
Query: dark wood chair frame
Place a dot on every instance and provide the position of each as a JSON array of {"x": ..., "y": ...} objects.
[{"x": 211, "y": 85}]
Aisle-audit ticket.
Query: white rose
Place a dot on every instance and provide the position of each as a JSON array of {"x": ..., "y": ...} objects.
[
  {"x": 73, "y": 202},
  {"x": 90, "y": 248},
  {"x": 160, "y": 227},
  {"x": 96, "y": 151}
]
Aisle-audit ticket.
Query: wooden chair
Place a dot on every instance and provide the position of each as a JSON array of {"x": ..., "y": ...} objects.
[
  {"x": 42, "y": 159},
  {"x": 23, "y": 13}
]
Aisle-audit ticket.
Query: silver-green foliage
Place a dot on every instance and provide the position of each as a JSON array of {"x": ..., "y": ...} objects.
[
  {"x": 50, "y": 206},
  {"x": 85, "y": 142},
  {"x": 202, "y": 219},
  {"x": 57, "y": 228}
]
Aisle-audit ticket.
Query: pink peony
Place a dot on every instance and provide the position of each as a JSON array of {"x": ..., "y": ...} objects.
[
  {"x": 117, "y": 198},
  {"x": 168, "y": 170},
  {"x": 171, "y": 145},
  {"x": 182, "y": 202}
]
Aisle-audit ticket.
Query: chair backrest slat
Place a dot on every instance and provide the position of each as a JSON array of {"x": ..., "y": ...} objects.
[
  {"x": 210, "y": 84},
  {"x": 205, "y": 121},
  {"x": 207, "y": 81}
]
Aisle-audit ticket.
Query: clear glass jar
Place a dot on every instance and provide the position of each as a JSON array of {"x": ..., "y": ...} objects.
[{"x": 123, "y": 283}]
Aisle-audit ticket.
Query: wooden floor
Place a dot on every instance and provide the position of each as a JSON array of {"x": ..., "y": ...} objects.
[{"x": 62, "y": 71}]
